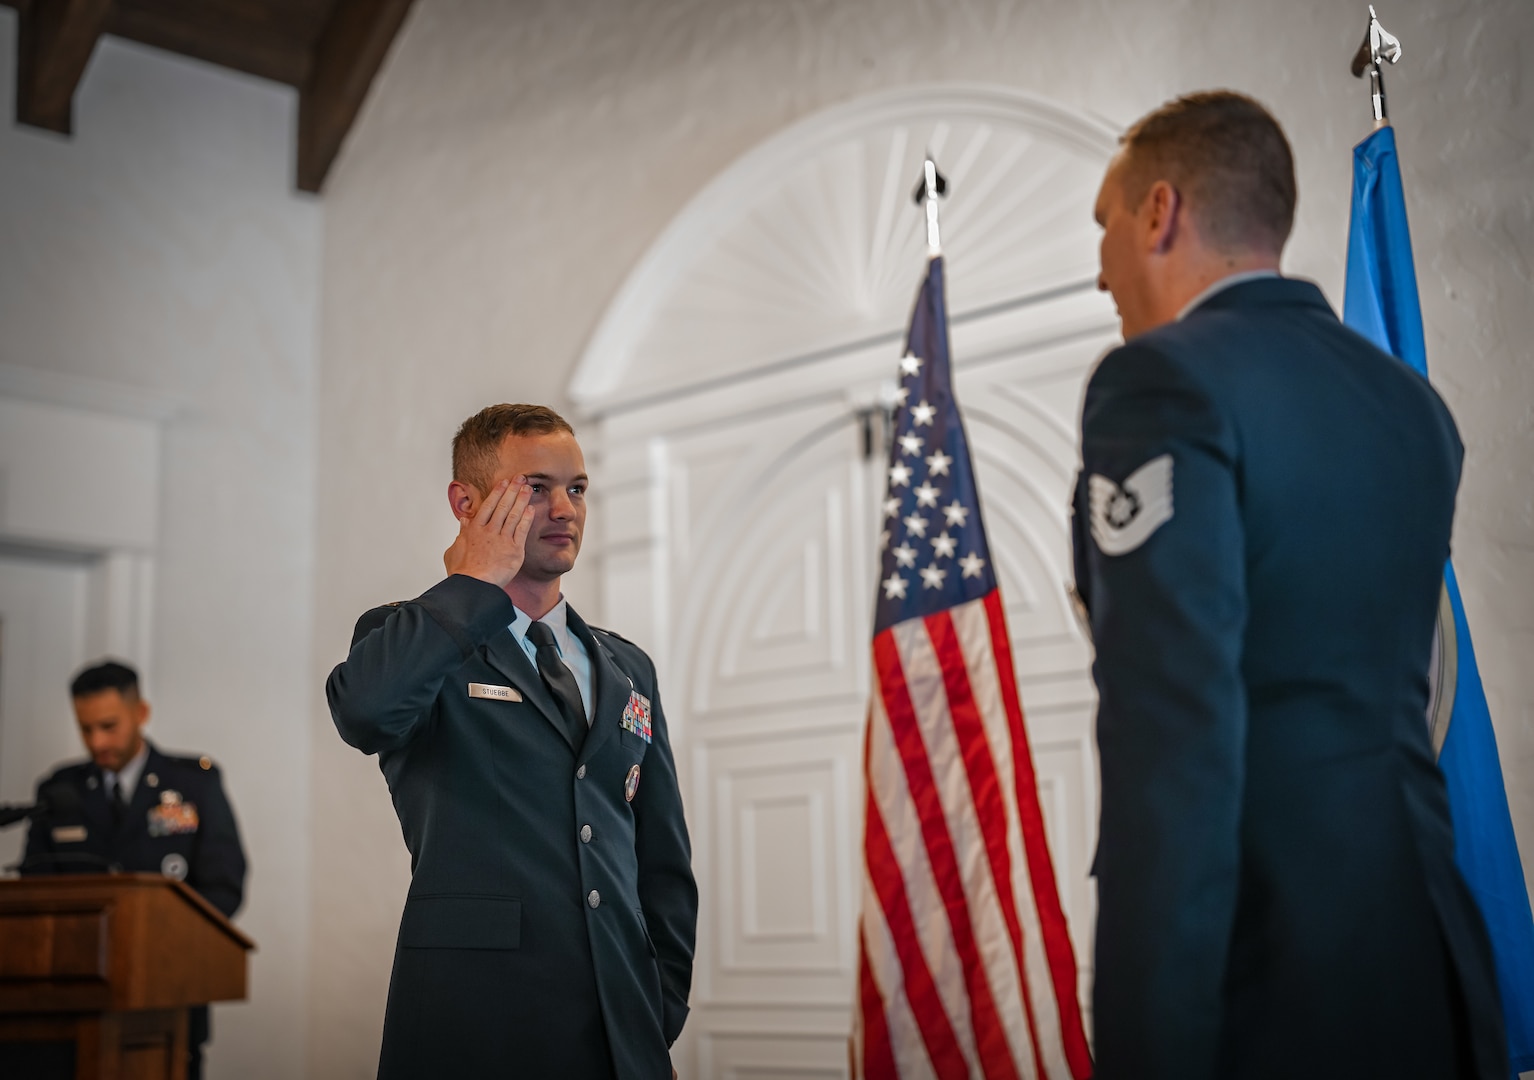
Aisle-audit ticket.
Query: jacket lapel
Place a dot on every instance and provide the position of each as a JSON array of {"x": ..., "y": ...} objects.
[
  {"x": 610, "y": 685},
  {"x": 96, "y": 814},
  {"x": 507, "y": 657}
]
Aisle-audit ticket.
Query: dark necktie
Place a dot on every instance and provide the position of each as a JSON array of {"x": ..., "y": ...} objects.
[
  {"x": 560, "y": 681},
  {"x": 119, "y": 804}
]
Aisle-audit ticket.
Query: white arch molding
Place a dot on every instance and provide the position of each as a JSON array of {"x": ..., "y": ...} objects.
[{"x": 736, "y": 515}]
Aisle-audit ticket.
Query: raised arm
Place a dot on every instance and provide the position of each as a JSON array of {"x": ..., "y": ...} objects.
[{"x": 381, "y": 695}]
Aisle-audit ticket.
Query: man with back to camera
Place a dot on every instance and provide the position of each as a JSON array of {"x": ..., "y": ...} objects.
[
  {"x": 139, "y": 810},
  {"x": 1260, "y": 525},
  {"x": 549, "y": 927}
]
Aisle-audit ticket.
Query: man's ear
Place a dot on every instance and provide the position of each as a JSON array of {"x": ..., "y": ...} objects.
[
  {"x": 462, "y": 499},
  {"x": 1162, "y": 203}
]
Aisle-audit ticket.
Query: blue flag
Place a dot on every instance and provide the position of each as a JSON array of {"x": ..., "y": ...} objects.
[{"x": 1381, "y": 303}]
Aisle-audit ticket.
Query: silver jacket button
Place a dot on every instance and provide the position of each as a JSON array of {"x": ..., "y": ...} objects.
[
  {"x": 580, "y": 774},
  {"x": 585, "y": 834},
  {"x": 594, "y": 898}
]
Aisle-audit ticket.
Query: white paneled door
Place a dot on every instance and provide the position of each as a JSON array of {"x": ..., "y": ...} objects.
[
  {"x": 42, "y": 642},
  {"x": 740, "y": 464}
]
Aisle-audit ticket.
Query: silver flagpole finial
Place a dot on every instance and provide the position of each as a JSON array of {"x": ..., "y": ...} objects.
[
  {"x": 1379, "y": 45},
  {"x": 929, "y": 189}
]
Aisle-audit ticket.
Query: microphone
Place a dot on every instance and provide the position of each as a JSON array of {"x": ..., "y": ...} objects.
[{"x": 56, "y": 800}]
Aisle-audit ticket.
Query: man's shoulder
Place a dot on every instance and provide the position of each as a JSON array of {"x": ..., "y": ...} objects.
[
  {"x": 622, "y": 648},
  {"x": 1248, "y": 327},
  {"x": 615, "y": 640},
  {"x": 190, "y": 769},
  {"x": 373, "y": 618},
  {"x": 1164, "y": 357},
  {"x": 463, "y": 606},
  {"x": 69, "y": 772}
]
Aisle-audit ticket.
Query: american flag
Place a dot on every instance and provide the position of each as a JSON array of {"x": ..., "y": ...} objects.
[{"x": 965, "y": 961}]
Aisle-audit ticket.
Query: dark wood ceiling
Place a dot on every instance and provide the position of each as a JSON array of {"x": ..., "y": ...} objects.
[{"x": 329, "y": 50}]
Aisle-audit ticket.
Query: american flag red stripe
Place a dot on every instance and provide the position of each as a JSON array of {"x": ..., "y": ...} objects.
[
  {"x": 876, "y": 1035},
  {"x": 986, "y": 1024},
  {"x": 966, "y": 967},
  {"x": 968, "y": 726},
  {"x": 1052, "y": 924},
  {"x": 936, "y": 1033},
  {"x": 985, "y": 774}
]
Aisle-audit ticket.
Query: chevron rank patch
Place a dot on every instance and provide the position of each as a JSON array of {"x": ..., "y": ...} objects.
[{"x": 1124, "y": 517}]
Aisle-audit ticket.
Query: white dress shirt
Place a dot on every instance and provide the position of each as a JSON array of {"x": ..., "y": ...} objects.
[
  {"x": 571, "y": 650},
  {"x": 127, "y": 776}
]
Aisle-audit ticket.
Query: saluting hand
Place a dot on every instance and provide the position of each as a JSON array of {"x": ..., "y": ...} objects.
[{"x": 492, "y": 543}]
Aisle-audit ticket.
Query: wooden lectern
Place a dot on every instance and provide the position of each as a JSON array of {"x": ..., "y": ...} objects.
[{"x": 97, "y": 972}]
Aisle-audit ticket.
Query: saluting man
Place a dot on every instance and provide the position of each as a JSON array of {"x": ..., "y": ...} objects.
[
  {"x": 1261, "y": 524},
  {"x": 550, "y": 922},
  {"x": 136, "y": 809}
]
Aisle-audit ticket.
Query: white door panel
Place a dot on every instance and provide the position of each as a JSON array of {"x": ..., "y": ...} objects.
[{"x": 42, "y": 643}]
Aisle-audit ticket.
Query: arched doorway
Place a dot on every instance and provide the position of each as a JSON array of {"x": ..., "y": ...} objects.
[{"x": 727, "y": 388}]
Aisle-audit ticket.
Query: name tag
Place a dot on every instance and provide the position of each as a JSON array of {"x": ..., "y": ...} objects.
[
  {"x": 69, "y": 834},
  {"x": 498, "y": 693}
]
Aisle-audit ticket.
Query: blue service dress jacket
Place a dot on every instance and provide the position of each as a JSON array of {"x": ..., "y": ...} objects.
[
  {"x": 550, "y": 921},
  {"x": 178, "y": 823},
  {"x": 1261, "y": 524}
]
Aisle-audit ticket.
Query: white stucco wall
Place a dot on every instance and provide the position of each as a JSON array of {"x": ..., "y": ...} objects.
[
  {"x": 511, "y": 166},
  {"x": 514, "y": 161},
  {"x": 162, "y": 248}
]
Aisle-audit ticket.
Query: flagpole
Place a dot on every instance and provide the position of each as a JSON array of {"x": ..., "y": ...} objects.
[
  {"x": 1378, "y": 45},
  {"x": 929, "y": 189}
]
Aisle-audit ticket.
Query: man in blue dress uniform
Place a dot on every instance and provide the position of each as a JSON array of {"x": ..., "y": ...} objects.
[
  {"x": 133, "y": 808},
  {"x": 1260, "y": 527},
  {"x": 549, "y": 927}
]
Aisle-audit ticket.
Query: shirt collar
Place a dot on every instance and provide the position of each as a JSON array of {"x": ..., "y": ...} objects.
[
  {"x": 128, "y": 775},
  {"x": 556, "y": 620},
  {"x": 1220, "y": 286}
]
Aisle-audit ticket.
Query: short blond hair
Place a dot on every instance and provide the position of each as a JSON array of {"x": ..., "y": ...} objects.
[{"x": 477, "y": 446}]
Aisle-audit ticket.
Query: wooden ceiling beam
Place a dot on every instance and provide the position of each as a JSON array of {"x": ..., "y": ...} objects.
[
  {"x": 221, "y": 34},
  {"x": 347, "y": 56},
  {"x": 55, "y": 43}
]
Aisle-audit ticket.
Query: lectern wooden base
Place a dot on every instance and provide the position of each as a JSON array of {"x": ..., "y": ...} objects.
[
  {"x": 144, "y": 1045},
  {"x": 97, "y": 973}
]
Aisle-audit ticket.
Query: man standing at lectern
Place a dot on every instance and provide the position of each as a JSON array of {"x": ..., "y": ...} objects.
[
  {"x": 1261, "y": 524},
  {"x": 139, "y": 810},
  {"x": 549, "y": 927}
]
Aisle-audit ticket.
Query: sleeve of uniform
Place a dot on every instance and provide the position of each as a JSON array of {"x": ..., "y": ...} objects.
[
  {"x": 667, "y": 891},
  {"x": 217, "y": 867},
  {"x": 381, "y": 695},
  {"x": 1168, "y": 613}
]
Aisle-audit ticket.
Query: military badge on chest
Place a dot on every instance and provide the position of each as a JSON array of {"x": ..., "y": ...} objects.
[
  {"x": 173, "y": 817},
  {"x": 636, "y": 715}
]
